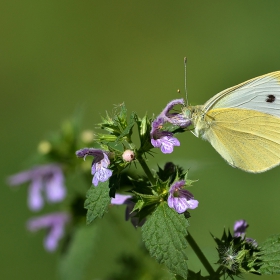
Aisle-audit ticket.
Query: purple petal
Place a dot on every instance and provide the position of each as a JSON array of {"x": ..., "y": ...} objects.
[
  {"x": 103, "y": 174},
  {"x": 20, "y": 178},
  {"x": 55, "y": 234},
  {"x": 185, "y": 193},
  {"x": 93, "y": 168},
  {"x": 96, "y": 153},
  {"x": 120, "y": 199},
  {"x": 55, "y": 189},
  {"x": 170, "y": 201},
  {"x": 100, "y": 171},
  {"x": 180, "y": 204},
  {"x": 55, "y": 223},
  {"x": 35, "y": 199},
  {"x": 158, "y": 122},
  {"x": 55, "y": 192},
  {"x": 179, "y": 120},
  {"x": 156, "y": 142},
  {"x": 176, "y": 186},
  {"x": 240, "y": 227},
  {"x": 170, "y": 106},
  {"x": 105, "y": 162},
  {"x": 95, "y": 180},
  {"x": 167, "y": 144},
  {"x": 192, "y": 203},
  {"x": 252, "y": 241}
]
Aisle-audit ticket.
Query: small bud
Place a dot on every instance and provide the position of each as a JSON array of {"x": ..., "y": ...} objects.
[
  {"x": 128, "y": 155},
  {"x": 87, "y": 136},
  {"x": 44, "y": 147}
]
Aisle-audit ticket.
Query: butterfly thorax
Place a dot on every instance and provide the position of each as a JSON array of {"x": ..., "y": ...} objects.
[{"x": 197, "y": 117}]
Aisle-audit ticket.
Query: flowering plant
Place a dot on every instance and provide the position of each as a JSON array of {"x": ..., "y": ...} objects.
[{"x": 157, "y": 201}]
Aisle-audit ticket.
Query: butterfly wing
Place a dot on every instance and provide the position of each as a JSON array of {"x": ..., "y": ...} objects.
[
  {"x": 261, "y": 94},
  {"x": 247, "y": 139}
]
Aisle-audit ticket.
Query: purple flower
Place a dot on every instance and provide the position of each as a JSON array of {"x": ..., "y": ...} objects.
[
  {"x": 120, "y": 199},
  {"x": 239, "y": 230},
  {"x": 166, "y": 142},
  {"x": 54, "y": 223},
  {"x": 180, "y": 199},
  {"x": 175, "y": 118},
  {"x": 45, "y": 177},
  {"x": 99, "y": 166},
  {"x": 164, "y": 139},
  {"x": 126, "y": 199}
]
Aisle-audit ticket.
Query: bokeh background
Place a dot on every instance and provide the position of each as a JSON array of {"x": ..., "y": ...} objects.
[{"x": 57, "y": 56}]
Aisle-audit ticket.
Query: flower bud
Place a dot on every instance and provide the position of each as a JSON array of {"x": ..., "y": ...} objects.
[
  {"x": 128, "y": 155},
  {"x": 44, "y": 147},
  {"x": 87, "y": 136}
]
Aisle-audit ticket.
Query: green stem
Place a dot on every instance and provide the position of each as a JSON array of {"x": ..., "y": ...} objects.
[
  {"x": 201, "y": 257},
  {"x": 219, "y": 270},
  {"x": 146, "y": 169}
]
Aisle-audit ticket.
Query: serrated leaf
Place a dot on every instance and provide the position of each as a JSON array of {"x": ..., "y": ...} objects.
[
  {"x": 164, "y": 234},
  {"x": 97, "y": 200},
  {"x": 128, "y": 129},
  {"x": 270, "y": 257},
  {"x": 120, "y": 119},
  {"x": 74, "y": 261}
]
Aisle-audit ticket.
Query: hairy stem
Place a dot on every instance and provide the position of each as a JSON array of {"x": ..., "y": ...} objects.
[
  {"x": 201, "y": 257},
  {"x": 146, "y": 169}
]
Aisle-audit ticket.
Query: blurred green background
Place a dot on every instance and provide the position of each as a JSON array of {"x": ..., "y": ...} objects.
[{"x": 60, "y": 55}]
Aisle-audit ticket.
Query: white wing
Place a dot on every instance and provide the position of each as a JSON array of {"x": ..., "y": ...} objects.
[{"x": 261, "y": 94}]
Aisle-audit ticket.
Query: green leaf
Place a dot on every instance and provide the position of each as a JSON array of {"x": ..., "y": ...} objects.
[
  {"x": 97, "y": 200},
  {"x": 196, "y": 276},
  {"x": 128, "y": 129},
  {"x": 164, "y": 235},
  {"x": 144, "y": 128},
  {"x": 121, "y": 116},
  {"x": 270, "y": 257},
  {"x": 74, "y": 261}
]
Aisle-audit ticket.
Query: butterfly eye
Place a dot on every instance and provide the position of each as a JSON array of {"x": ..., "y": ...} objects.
[{"x": 270, "y": 98}]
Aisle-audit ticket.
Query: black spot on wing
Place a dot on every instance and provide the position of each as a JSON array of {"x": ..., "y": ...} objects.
[{"x": 270, "y": 98}]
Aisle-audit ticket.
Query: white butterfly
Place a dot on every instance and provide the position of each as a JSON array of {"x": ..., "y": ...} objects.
[{"x": 243, "y": 123}]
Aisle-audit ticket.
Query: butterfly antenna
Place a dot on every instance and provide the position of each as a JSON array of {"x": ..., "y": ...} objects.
[{"x": 185, "y": 65}]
